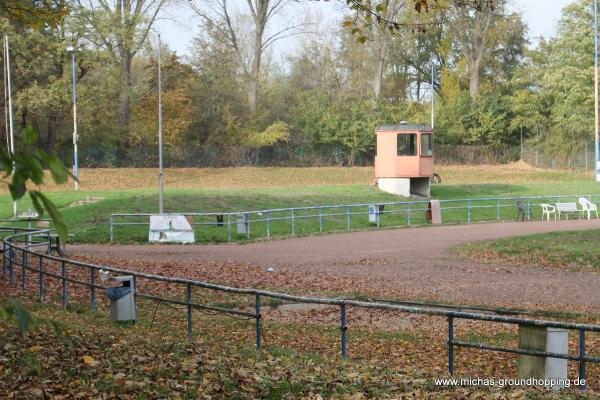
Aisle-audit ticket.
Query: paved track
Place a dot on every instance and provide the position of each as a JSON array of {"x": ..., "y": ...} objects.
[{"x": 415, "y": 263}]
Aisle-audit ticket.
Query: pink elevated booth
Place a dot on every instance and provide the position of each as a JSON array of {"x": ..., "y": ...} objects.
[{"x": 404, "y": 159}]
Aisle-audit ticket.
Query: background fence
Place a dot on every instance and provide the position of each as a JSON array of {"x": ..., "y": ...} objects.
[
  {"x": 285, "y": 155},
  {"x": 37, "y": 268},
  {"x": 256, "y": 224},
  {"x": 582, "y": 159}
]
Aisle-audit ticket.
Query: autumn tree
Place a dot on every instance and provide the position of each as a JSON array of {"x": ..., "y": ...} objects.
[{"x": 120, "y": 27}]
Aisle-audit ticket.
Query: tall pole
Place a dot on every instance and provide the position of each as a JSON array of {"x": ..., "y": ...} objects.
[
  {"x": 597, "y": 117},
  {"x": 160, "y": 137},
  {"x": 432, "y": 96},
  {"x": 10, "y": 114},
  {"x": 71, "y": 49}
]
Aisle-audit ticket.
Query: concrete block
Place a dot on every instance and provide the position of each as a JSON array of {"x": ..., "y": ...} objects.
[{"x": 543, "y": 339}]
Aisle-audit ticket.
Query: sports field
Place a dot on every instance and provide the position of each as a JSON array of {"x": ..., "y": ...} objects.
[{"x": 107, "y": 191}]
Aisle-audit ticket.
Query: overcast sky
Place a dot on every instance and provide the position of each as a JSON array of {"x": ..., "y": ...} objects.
[{"x": 178, "y": 24}]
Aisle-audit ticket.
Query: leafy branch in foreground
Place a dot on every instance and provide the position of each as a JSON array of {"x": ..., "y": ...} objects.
[{"x": 27, "y": 167}]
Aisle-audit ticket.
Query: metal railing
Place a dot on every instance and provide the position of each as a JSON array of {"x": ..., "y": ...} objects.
[
  {"x": 16, "y": 252},
  {"x": 261, "y": 223}
]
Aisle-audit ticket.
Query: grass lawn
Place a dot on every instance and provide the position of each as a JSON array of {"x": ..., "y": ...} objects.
[
  {"x": 566, "y": 250},
  {"x": 246, "y": 189}
]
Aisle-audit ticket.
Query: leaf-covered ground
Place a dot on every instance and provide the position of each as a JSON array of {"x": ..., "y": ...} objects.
[
  {"x": 391, "y": 356},
  {"x": 578, "y": 251}
]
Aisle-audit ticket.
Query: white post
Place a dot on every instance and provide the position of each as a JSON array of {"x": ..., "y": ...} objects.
[
  {"x": 432, "y": 96},
  {"x": 160, "y": 137},
  {"x": 597, "y": 117},
  {"x": 10, "y": 114},
  {"x": 71, "y": 49}
]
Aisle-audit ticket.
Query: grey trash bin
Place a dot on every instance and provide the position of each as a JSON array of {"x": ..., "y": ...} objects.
[
  {"x": 242, "y": 224},
  {"x": 122, "y": 300}
]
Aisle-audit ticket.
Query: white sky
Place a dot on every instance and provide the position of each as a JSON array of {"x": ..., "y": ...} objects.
[{"x": 179, "y": 24}]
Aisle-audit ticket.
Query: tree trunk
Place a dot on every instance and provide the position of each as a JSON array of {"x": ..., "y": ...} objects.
[
  {"x": 474, "y": 74},
  {"x": 380, "y": 65},
  {"x": 260, "y": 22},
  {"x": 125, "y": 89}
]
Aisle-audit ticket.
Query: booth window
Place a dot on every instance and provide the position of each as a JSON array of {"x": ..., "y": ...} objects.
[
  {"x": 407, "y": 145},
  {"x": 427, "y": 144}
]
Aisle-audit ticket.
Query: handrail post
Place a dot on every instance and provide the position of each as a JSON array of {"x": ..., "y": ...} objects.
[
  {"x": 451, "y": 344},
  {"x": 293, "y": 223},
  {"x": 247, "y": 221},
  {"x": 348, "y": 217},
  {"x": 189, "y": 311},
  {"x": 134, "y": 305},
  {"x": 268, "y": 225},
  {"x": 228, "y": 227},
  {"x": 528, "y": 210},
  {"x": 582, "y": 376},
  {"x": 64, "y": 284},
  {"x": 3, "y": 262},
  {"x": 41, "y": 278},
  {"x": 498, "y": 210},
  {"x": 49, "y": 249},
  {"x": 469, "y": 211},
  {"x": 11, "y": 272},
  {"x": 24, "y": 260},
  {"x": 93, "y": 289},
  {"x": 408, "y": 215},
  {"x": 344, "y": 329},
  {"x": 110, "y": 224},
  {"x": 258, "y": 317},
  {"x": 320, "y": 220}
]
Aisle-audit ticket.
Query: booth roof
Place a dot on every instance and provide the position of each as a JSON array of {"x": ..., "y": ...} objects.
[{"x": 403, "y": 127}]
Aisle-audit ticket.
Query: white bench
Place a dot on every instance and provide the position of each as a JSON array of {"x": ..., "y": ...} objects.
[{"x": 567, "y": 209}]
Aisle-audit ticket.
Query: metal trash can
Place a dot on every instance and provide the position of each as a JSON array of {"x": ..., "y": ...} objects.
[
  {"x": 374, "y": 212},
  {"x": 242, "y": 224},
  {"x": 122, "y": 299}
]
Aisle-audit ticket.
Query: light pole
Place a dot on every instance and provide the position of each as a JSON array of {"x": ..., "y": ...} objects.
[
  {"x": 9, "y": 111},
  {"x": 160, "y": 137},
  {"x": 432, "y": 96},
  {"x": 597, "y": 116},
  {"x": 71, "y": 49}
]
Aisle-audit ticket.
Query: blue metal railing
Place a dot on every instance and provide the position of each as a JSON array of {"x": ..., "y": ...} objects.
[{"x": 403, "y": 213}]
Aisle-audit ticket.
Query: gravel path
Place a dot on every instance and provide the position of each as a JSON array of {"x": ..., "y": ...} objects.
[{"x": 409, "y": 263}]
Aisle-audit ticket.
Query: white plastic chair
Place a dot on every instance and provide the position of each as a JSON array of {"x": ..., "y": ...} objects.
[
  {"x": 588, "y": 207},
  {"x": 548, "y": 209}
]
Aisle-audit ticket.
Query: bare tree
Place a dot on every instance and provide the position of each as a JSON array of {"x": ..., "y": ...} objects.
[
  {"x": 121, "y": 27},
  {"x": 218, "y": 14}
]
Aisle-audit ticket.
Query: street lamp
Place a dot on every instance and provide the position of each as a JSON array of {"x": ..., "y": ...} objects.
[{"x": 71, "y": 49}]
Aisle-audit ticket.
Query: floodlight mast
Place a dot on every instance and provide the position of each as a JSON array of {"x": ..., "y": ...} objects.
[
  {"x": 432, "y": 96},
  {"x": 597, "y": 116},
  {"x": 71, "y": 49},
  {"x": 160, "y": 138}
]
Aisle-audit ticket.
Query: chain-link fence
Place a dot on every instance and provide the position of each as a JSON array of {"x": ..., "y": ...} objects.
[
  {"x": 276, "y": 156},
  {"x": 536, "y": 156}
]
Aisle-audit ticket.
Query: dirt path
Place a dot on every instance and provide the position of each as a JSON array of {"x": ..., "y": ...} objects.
[{"x": 403, "y": 263}]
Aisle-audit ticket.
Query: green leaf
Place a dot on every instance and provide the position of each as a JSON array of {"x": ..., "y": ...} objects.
[
  {"x": 36, "y": 202},
  {"x": 56, "y": 216},
  {"x": 59, "y": 172}
]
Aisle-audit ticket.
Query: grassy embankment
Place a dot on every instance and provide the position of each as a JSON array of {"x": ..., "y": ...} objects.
[
  {"x": 578, "y": 251},
  {"x": 230, "y": 190}
]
